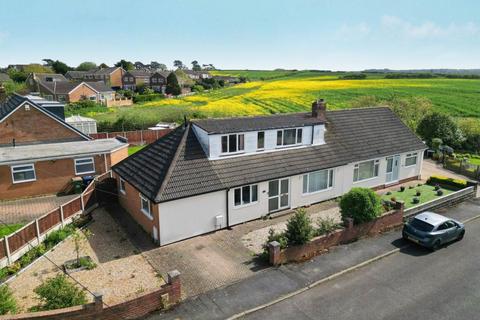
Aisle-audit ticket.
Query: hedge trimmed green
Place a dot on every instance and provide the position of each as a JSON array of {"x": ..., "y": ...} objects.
[
  {"x": 361, "y": 205},
  {"x": 445, "y": 181}
]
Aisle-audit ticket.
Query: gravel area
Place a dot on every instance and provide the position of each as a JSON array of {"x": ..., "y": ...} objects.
[{"x": 121, "y": 272}]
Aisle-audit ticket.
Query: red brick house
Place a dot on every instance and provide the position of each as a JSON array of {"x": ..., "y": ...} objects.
[
  {"x": 65, "y": 91},
  {"x": 111, "y": 76},
  {"x": 40, "y": 153}
]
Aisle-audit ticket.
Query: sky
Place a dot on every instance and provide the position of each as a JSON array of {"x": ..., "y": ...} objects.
[{"x": 245, "y": 34}]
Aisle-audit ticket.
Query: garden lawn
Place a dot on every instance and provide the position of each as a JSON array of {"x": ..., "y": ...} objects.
[
  {"x": 134, "y": 149},
  {"x": 428, "y": 193},
  {"x": 5, "y": 230}
]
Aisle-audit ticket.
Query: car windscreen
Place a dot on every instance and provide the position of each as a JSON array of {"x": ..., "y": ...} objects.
[{"x": 421, "y": 225}]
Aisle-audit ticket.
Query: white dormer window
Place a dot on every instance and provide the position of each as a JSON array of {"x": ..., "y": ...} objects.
[
  {"x": 233, "y": 143},
  {"x": 261, "y": 140},
  {"x": 288, "y": 137}
]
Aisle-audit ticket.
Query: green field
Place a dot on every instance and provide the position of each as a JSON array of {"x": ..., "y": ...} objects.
[{"x": 290, "y": 91}]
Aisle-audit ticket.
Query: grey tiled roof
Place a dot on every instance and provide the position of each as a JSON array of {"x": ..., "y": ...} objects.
[
  {"x": 100, "y": 86},
  {"x": 59, "y": 87},
  {"x": 8, "y": 106},
  {"x": 237, "y": 124},
  {"x": 352, "y": 135}
]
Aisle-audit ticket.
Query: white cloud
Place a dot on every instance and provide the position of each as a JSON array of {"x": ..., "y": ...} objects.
[
  {"x": 429, "y": 29},
  {"x": 354, "y": 30}
]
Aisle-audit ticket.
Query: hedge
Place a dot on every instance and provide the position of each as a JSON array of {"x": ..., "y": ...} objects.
[
  {"x": 445, "y": 181},
  {"x": 147, "y": 97}
]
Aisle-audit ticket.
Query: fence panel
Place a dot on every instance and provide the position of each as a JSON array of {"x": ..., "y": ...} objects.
[
  {"x": 134, "y": 137},
  {"x": 2, "y": 249},
  {"x": 22, "y": 237},
  {"x": 49, "y": 221},
  {"x": 72, "y": 207}
]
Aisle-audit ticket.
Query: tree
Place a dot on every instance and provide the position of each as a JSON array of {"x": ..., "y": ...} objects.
[
  {"x": 17, "y": 76},
  {"x": 196, "y": 66},
  {"x": 361, "y": 205},
  {"x": 299, "y": 228},
  {"x": 127, "y": 65},
  {"x": 438, "y": 125},
  {"x": 7, "y": 301},
  {"x": 178, "y": 64},
  {"x": 103, "y": 65},
  {"x": 58, "y": 292},
  {"x": 86, "y": 66},
  {"x": 60, "y": 67},
  {"x": 139, "y": 65},
  {"x": 158, "y": 66},
  {"x": 172, "y": 85}
]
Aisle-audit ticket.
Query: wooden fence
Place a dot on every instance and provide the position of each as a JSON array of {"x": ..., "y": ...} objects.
[
  {"x": 137, "y": 137},
  {"x": 13, "y": 246},
  {"x": 463, "y": 167}
]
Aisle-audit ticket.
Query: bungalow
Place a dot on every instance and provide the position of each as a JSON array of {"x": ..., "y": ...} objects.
[
  {"x": 33, "y": 79},
  {"x": 65, "y": 91},
  {"x": 111, "y": 76},
  {"x": 215, "y": 173},
  {"x": 40, "y": 153}
]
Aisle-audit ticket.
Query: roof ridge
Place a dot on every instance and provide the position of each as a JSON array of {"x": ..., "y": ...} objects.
[{"x": 173, "y": 161}]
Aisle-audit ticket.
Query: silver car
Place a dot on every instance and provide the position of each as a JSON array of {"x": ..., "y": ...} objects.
[{"x": 432, "y": 230}]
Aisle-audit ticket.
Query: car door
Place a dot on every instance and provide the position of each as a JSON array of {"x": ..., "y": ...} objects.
[
  {"x": 451, "y": 230},
  {"x": 443, "y": 232}
]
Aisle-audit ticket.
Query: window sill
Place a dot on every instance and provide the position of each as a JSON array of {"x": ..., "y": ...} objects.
[
  {"x": 369, "y": 179},
  {"x": 412, "y": 165},
  {"x": 245, "y": 205},
  {"x": 226, "y": 154},
  {"x": 147, "y": 214},
  {"x": 122, "y": 192},
  {"x": 316, "y": 192},
  {"x": 288, "y": 146},
  {"x": 82, "y": 173},
  {"x": 24, "y": 181}
]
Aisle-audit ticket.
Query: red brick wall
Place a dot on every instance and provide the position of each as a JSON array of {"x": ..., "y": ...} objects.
[
  {"x": 80, "y": 92},
  {"x": 130, "y": 201},
  {"x": 134, "y": 137},
  {"x": 116, "y": 78},
  {"x": 34, "y": 126}
]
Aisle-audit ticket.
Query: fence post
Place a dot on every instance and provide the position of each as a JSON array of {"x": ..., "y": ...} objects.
[
  {"x": 7, "y": 250},
  {"x": 62, "y": 219},
  {"x": 37, "y": 229},
  {"x": 81, "y": 201}
]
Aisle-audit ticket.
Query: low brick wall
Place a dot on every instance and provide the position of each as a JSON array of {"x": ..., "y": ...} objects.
[
  {"x": 350, "y": 233},
  {"x": 168, "y": 295}
]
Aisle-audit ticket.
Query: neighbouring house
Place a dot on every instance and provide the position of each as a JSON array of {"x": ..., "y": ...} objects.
[
  {"x": 66, "y": 91},
  {"x": 214, "y": 173},
  {"x": 40, "y": 153},
  {"x": 4, "y": 77},
  {"x": 111, "y": 76},
  {"x": 227, "y": 79},
  {"x": 197, "y": 75},
  {"x": 158, "y": 81},
  {"x": 83, "y": 124},
  {"x": 134, "y": 78},
  {"x": 33, "y": 80}
]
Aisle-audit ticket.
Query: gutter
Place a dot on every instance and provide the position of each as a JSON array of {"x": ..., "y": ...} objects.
[{"x": 227, "y": 211}]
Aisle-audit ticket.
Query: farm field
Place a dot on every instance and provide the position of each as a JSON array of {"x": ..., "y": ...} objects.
[{"x": 293, "y": 91}]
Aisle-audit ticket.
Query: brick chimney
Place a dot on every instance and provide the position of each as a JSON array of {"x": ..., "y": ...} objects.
[
  {"x": 3, "y": 94},
  {"x": 319, "y": 108}
]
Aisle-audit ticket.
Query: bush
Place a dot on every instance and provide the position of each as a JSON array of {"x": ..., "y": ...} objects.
[
  {"x": 418, "y": 193},
  {"x": 57, "y": 236},
  {"x": 411, "y": 187},
  {"x": 439, "y": 192},
  {"x": 415, "y": 200},
  {"x": 275, "y": 236},
  {"x": 147, "y": 97},
  {"x": 402, "y": 188},
  {"x": 393, "y": 199},
  {"x": 437, "y": 187},
  {"x": 420, "y": 184},
  {"x": 299, "y": 228},
  {"x": 7, "y": 301},
  {"x": 361, "y": 204},
  {"x": 326, "y": 226},
  {"x": 388, "y": 193},
  {"x": 198, "y": 88},
  {"x": 447, "y": 182},
  {"x": 58, "y": 292}
]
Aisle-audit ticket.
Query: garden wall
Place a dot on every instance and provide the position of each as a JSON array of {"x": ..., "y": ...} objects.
[
  {"x": 168, "y": 294},
  {"x": 137, "y": 137},
  {"x": 15, "y": 245},
  {"x": 350, "y": 233}
]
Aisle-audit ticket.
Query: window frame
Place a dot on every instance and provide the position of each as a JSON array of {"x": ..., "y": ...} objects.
[
  {"x": 148, "y": 213},
  {"x": 240, "y": 189},
  {"x": 87, "y": 172},
  {"x": 330, "y": 181},
  {"x": 121, "y": 186},
  {"x": 376, "y": 170},
  {"x": 263, "y": 140},
  {"x": 12, "y": 169},
  {"x": 409, "y": 156},
  {"x": 281, "y": 135},
  {"x": 238, "y": 137}
]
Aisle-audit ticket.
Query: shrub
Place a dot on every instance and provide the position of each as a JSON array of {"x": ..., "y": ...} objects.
[
  {"x": 58, "y": 292},
  {"x": 57, "y": 236},
  {"x": 7, "y": 301},
  {"x": 420, "y": 184},
  {"x": 147, "y": 97},
  {"x": 402, "y": 188},
  {"x": 388, "y": 193},
  {"x": 411, "y": 187},
  {"x": 437, "y": 187},
  {"x": 415, "y": 200},
  {"x": 299, "y": 228},
  {"x": 326, "y": 226},
  {"x": 275, "y": 236},
  {"x": 393, "y": 199},
  {"x": 418, "y": 193},
  {"x": 439, "y": 192},
  {"x": 445, "y": 181},
  {"x": 361, "y": 204}
]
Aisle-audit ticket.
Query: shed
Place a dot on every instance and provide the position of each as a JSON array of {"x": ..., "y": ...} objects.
[{"x": 84, "y": 124}]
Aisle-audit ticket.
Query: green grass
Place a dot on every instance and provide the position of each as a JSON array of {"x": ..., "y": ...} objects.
[
  {"x": 5, "y": 230},
  {"x": 427, "y": 193},
  {"x": 133, "y": 149}
]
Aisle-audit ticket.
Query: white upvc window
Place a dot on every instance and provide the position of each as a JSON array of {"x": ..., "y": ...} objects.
[
  {"x": 121, "y": 186},
  {"x": 261, "y": 140},
  {"x": 366, "y": 170},
  {"x": 145, "y": 206},
  {"x": 288, "y": 137},
  {"x": 245, "y": 195},
  {"x": 23, "y": 173},
  {"x": 317, "y": 181},
  {"x": 411, "y": 159},
  {"x": 84, "y": 166},
  {"x": 233, "y": 143}
]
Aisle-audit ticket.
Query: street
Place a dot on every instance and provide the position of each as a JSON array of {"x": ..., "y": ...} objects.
[{"x": 412, "y": 284}]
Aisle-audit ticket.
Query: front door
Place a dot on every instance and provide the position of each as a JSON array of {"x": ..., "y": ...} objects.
[
  {"x": 393, "y": 165},
  {"x": 278, "y": 194}
]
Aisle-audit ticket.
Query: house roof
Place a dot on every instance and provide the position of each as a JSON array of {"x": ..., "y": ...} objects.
[
  {"x": 75, "y": 74},
  {"x": 43, "y": 76},
  {"x": 164, "y": 74},
  {"x": 140, "y": 73},
  {"x": 11, "y": 104},
  {"x": 59, "y": 87},
  {"x": 100, "y": 86},
  {"x": 79, "y": 118},
  {"x": 175, "y": 166},
  {"x": 237, "y": 124},
  {"x": 103, "y": 71},
  {"x": 50, "y": 151}
]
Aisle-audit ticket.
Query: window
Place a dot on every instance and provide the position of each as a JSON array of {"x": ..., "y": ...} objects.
[
  {"x": 233, "y": 143},
  {"x": 23, "y": 173},
  {"x": 317, "y": 181},
  {"x": 145, "y": 205},
  {"x": 260, "y": 140},
  {"x": 61, "y": 98},
  {"x": 366, "y": 170},
  {"x": 85, "y": 165},
  {"x": 288, "y": 137},
  {"x": 410, "y": 159},
  {"x": 245, "y": 195},
  {"x": 122, "y": 186}
]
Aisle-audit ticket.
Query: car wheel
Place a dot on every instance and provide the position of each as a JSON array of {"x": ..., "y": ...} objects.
[
  {"x": 404, "y": 236},
  {"x": 436, "y": 245},
  {"x": 461, "y": 235}
]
